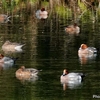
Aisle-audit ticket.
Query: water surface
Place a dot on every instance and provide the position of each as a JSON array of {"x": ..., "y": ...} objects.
[{"x": 50, "y": 49}]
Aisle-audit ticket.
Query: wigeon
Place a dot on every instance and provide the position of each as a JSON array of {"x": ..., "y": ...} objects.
[
  {"x": 7, "y": 60},
  {"x": 72, "y": 80},
  {"x": 12, "y": 46},
  {"x": 28, "y": 74},
  {"x": 42, "y": 14},
  {"x": 84, "y": 49},
  {"x": 73, "y": 29},
  {"x": 4, "y": 18}
]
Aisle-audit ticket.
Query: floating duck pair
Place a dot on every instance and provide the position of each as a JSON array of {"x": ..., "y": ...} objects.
[
  {"x": 74, "y": 79},
  {"x": 73, "y": 29},
  {"x": 6, "y": 62}
]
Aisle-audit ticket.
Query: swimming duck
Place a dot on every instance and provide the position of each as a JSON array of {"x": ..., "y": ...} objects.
[
  {"x": 71, "y": 76},
  {"x": 4, "y": 18},
  {"x": 12, "y": 46},
  {"x": 28, "y": 74},
  {"x": 86, "y": 54},
  {"x": 71, "y": 80},
  {"x": 73, "y": 29},
  {"x": 84, "y": 49},
  {"x": 42, "y": 14},
  {"x": 7, "y": 60}
]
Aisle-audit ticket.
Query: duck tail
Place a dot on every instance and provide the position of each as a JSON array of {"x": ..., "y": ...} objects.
[
  {"x": 39, "y": 70},
  {"x": 14, "y": 59},
  {"x": 8, "y": 19},
  {"x": 19, "y": 48},
  {"x": 21, "y": 45},
  {"x": 82, "y": 75}
]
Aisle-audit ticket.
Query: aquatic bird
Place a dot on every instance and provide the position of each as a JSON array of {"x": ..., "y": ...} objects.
[
  {"x": 87, "y": 58},
  {"x": 28, "y": 74},
  {"x": 12, "y": 46},
  {"x": 7, "y": 60},
  {"x": 73, "y": 29},
  {"x": 72, "y": 80},
  {"x": 41, "y": 14},
  {"x": 4, "y": 18},
  {"x": 86, "y": 54},
  {"x": 84, "y": 49},
  {"x": 71, "y": 76}
]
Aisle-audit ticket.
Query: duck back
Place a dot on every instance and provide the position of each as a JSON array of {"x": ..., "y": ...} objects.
[{"x": 74, "y": 76}]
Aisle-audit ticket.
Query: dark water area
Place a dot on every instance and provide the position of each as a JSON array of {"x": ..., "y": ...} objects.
[{"x": 50, "y": 49}]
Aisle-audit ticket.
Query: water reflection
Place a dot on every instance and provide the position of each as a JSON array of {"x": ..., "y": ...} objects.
[
  {"x": 85, "y": 58},
  {"x": 4, "y": 66},
  {"x": 71, "y": 84}
]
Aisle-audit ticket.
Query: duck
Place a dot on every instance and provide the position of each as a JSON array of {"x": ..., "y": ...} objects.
[
  {"x": 42, "y": 14},
  {"x": 71, "y": 76},
  {"x": 27, "y": 74},
  {"x": 73, "y": 29},
  {"x": 6, "y": 60},
  {"x": 84, "y": 49},
  {"x": 72, "y": 79},
  {"x": 4, "y": 18},
  {"x": 12, "y": 46}
]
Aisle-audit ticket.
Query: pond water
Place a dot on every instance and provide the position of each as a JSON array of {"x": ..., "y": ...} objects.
[{"x": 50, "y": 49}]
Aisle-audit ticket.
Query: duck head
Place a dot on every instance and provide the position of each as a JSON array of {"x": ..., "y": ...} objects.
[
  {"x": 7, "y": 42},
  {"x": 42, "y": 9},
  {"x": 83, "y": 46},
  {"x": 22, "y": 68},
  {"x": 1, "y": 56},
  {"x": 65, "y": 72},
  {"x": 75, "y": 25}
]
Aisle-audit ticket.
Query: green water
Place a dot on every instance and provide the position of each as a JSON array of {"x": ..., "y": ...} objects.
[{"x": 50, "y": 49}]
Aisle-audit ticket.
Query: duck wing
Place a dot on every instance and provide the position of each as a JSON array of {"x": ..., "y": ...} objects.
[
  {"x": 92, "y": 49},
  {"x": 74, "y": 76},
  {"x": 32, "y": 70}
]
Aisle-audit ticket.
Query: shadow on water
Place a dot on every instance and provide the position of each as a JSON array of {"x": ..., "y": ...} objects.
[{"x": 50, "y": 49}]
